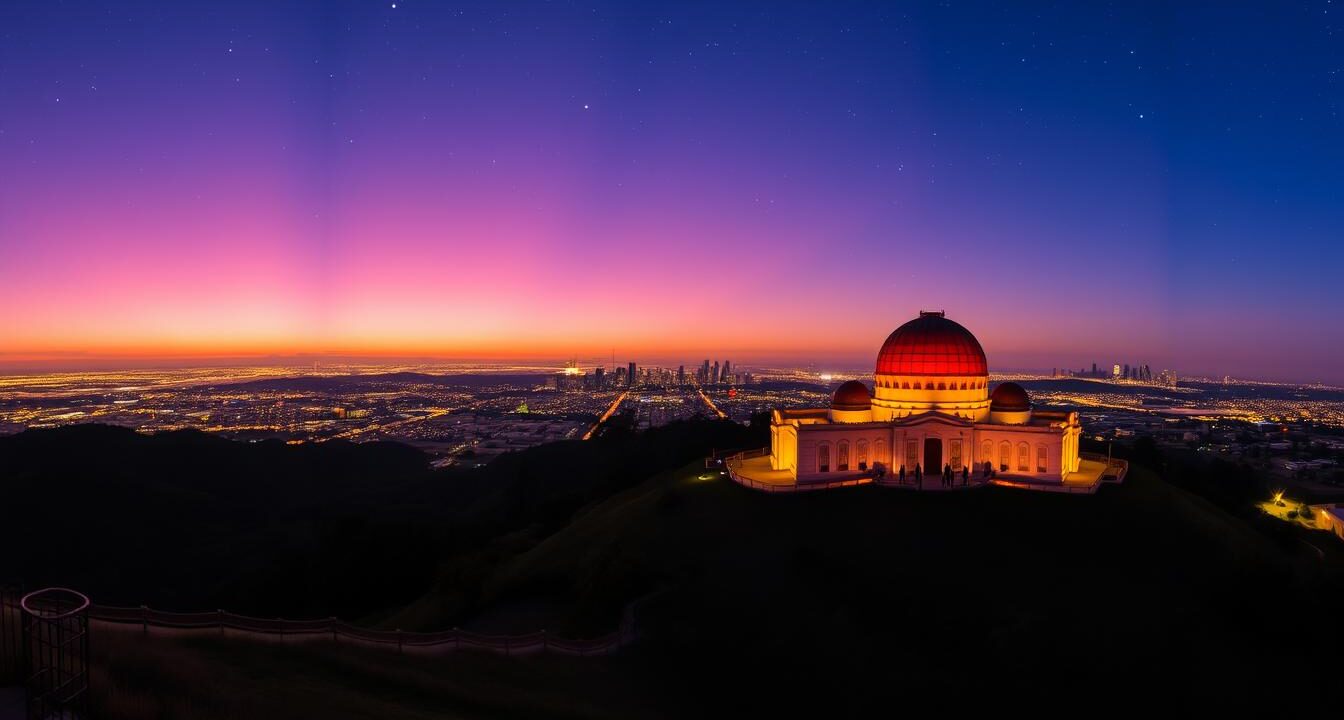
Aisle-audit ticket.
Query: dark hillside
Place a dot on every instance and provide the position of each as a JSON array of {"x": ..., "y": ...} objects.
[
  {"x": 1144, "y": 595},
  {"x": 190, "y": 521},
  {"x": 868, "y": 593}
]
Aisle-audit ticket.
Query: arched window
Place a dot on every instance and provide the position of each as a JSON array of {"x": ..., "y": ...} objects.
[
  {"x": 905, "y": 385},
  {"x": 1040, "y": 459},
  {"x": 954, "y": 453},
  {"x": 1023, "y": 457},
  {"x": 986, "y": 452},
  {"x": 879, "y": 452},
  {"x": 963, "y": 386},
  {"x": 823, "y": 458},
  {"x": 918, "y": 386},
  {"x": 942, "y": 386},
  {"x": 911, "y": 455},
  {"x": 861, "y": 454},
  {"x": 842, "y": 456},
  {"x": 1005, "y": 455}
]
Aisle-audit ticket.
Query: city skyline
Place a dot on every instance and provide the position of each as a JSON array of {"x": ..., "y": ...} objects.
[
  {"x": 19, "y": 363},
  {"x": 298, "y": 179}
]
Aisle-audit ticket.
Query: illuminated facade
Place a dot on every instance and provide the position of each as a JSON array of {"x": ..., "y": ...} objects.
[{"x": 932, "y": 411}]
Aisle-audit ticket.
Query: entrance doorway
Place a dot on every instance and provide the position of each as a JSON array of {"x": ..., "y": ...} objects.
[{"x": 933, "y": 456}]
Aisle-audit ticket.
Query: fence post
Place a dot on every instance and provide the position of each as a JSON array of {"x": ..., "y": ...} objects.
[{"x": 144, "y": 620}]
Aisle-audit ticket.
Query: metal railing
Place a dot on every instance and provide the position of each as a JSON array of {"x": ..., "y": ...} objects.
[
  {"x": 1116, "y": 469},
  {"x": 743, "y": 480},
  {"x": 796, "y": 487},
  {"x": 1008, "y": 481},
  {"x": 227, "y": 624},
  {"x": 1114, "y": 473}
]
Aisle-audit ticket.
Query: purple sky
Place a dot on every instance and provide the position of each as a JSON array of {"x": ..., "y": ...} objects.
[{"x": 765, "y": 181}]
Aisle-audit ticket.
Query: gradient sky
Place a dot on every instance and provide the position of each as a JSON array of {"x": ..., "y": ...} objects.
[{"x": 1074, "y": 182}]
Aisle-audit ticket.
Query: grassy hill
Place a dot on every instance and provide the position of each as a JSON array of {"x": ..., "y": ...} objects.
[
  {"x": 1142, "y": 597},
  {"x": 841, "y": 599},
  {"x": 190, "y": 521}
]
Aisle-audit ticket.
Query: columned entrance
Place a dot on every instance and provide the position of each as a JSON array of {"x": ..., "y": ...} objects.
[{"x": 933, "y": 456}]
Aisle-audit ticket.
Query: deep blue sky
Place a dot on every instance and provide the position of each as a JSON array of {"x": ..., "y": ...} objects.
[{"x": 1075, "y": 182}]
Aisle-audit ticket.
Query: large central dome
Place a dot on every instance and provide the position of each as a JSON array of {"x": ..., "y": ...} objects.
[{"x": 932, "y": 345}]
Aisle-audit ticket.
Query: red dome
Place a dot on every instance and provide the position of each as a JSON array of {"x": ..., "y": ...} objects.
[
  {"x": 852, "y": 395},
  {"x": 932, "y": 345},
  {"x": 1009, "y": 397}
]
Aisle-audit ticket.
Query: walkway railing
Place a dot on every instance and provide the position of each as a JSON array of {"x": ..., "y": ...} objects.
[
  {"x": 1115, "y": 467},
  {"x": 729, "y": 465},
  {"x": 1010, "y": 482},
  {"x": 796, "y": 487},
  {"x": 226, "y": 624},
  {"x": 1114, "y": 473}
]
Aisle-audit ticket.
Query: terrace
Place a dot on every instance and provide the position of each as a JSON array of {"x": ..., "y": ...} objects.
[{"x": 752, "y": 469}]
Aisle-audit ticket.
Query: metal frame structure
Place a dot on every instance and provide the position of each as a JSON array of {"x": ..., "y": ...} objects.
[{"x": 56, "y": 653}]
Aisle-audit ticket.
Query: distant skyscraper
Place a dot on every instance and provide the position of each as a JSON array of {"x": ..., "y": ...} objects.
[
  {"x": 725, "y": 377},
  {"x": 681, "y": 375},
  {"x": 714, "y": 374},
  {"x": 630, "y": 376},
  {"x": 598, "y": 378},
  {"x": 704, "y": 373}
]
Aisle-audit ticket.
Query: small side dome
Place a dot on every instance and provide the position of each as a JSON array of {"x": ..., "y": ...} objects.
[
  {"x": 1009, "y": 397},
  {"x": 852, "y": 395}
]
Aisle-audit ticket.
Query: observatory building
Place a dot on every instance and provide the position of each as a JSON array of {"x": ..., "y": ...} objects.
[{"x": 931, "y": 413}]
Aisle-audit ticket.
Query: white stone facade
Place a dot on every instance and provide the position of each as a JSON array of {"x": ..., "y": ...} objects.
[{"x": 815, "y": 448}]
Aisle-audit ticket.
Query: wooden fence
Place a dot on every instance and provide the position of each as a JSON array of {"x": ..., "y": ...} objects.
[{"x": 226, "y": 624}]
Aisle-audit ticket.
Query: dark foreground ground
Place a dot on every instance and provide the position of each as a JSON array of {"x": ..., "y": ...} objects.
[
  {"x": 836, "y": 604},
  {"x": 1143, "y": 598}
]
